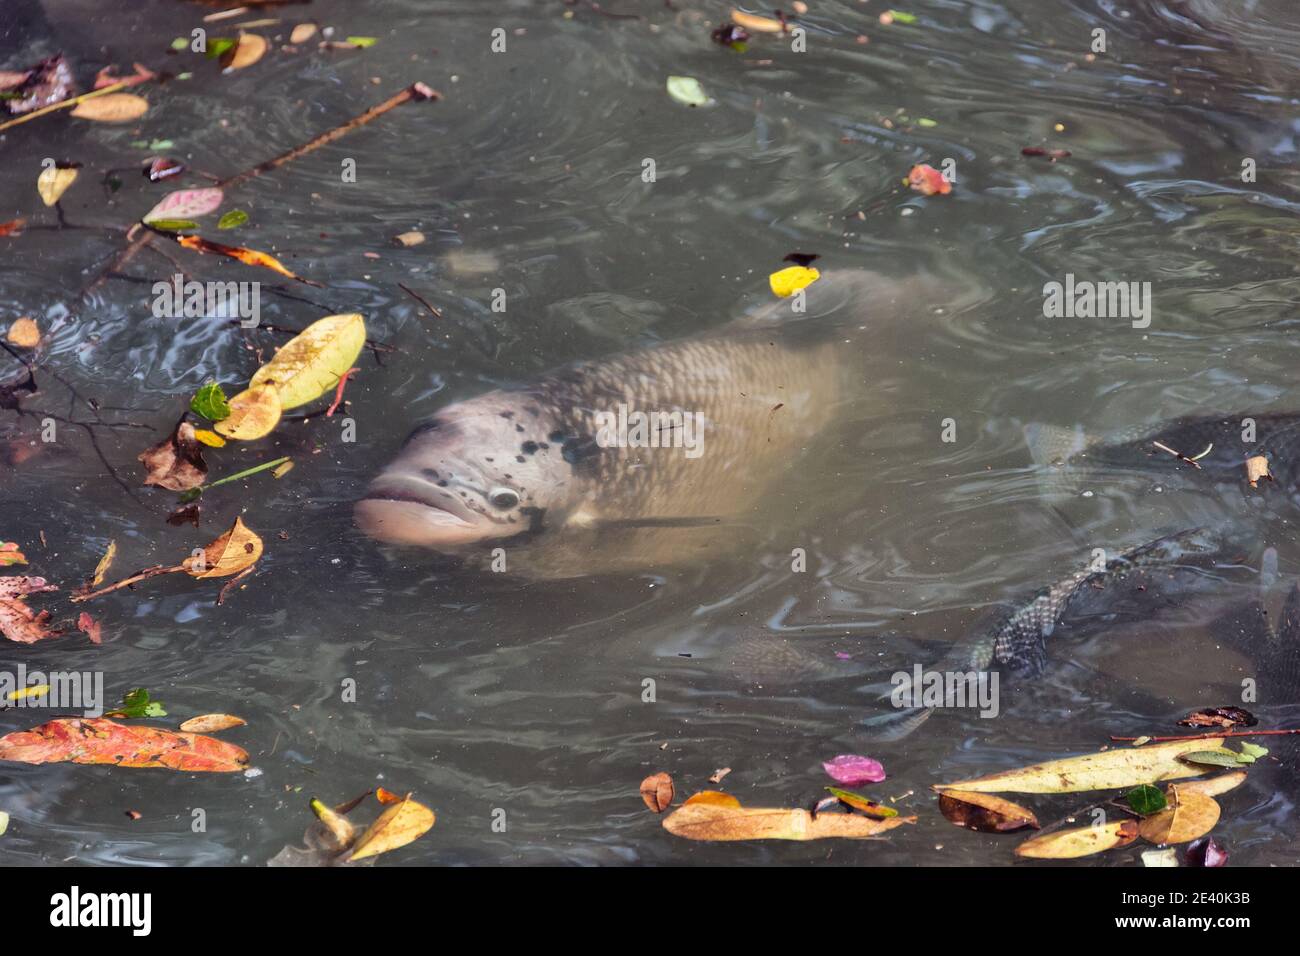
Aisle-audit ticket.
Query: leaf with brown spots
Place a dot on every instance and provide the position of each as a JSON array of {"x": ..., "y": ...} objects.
[
  {"x": 103, "y": 741},
  {"x": 984, "y": 811},
  {"x": 1190, "y": 815},
  {"x": 697, "y": 820},
  {"x": 1080, "y": 841},
  {"x": 237, "y": 549},
  {"x": 18, "y": 622}
]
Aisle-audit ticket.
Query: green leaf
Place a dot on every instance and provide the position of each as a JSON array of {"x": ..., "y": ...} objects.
[
  {"x": 926, "y": 122},
  {"x": 687, "y": 89},
  {"x": 219, "y": 46},
  {"x": 210, "y": 402},
  {"x": 173, "y": 225},
  {"x": 137, "y": 704},
  {"x": 363, "y": 41},
  {"x": 1253, "y": 751},
  {"x": 1214, "y": 758},
  {"x": 181, "y": 43},
  {"x": 1146, "y": 800},
  {"x": 159, "y": 145},
  {"x": 232, "y": 219},
  {"x": 900, "y": 17}
]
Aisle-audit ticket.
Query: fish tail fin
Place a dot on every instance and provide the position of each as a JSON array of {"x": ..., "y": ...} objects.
[
  {"x": 1051, "y": 447},
  {"x": 895, "y": 725}
]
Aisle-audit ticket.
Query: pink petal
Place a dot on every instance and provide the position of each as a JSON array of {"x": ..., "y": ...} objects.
[{"x": 852, "y": 770}]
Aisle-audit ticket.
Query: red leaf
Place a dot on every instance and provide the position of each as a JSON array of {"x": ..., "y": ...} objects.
[
  {"x": 90, "y": 627},
  {"x": 927, "y": 181},
  {"x": 103, "y": 741},
  {"x": 18, "y": 622}
]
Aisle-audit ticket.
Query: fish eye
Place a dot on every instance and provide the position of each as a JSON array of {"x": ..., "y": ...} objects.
[{"x": 503, "y": 498}]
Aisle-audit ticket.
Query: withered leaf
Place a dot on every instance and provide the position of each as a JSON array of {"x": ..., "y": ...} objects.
[
  {"x": 211, "y": 723},
  {"x": 1080, "y": 841},
  {"x": 1220, "y": 717},
  {"x": 18, "y": 622},
  {"x": 397, "y": 826},
  {"x": 657, "y": 792},
  {"x": 697, "y": 820},
  {"x": 176, "y": 463},
  {"x": 103, "y": 741},
  {"x": 237, "y": 549},
  {"x": 984, "y": 811}
]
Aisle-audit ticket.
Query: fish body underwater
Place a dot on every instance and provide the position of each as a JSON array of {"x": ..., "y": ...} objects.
[{"x": 648, "y": 458}]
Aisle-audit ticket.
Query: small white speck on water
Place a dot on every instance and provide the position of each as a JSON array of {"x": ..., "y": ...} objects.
[
  {"x": 1087, "y": 494},
  {"x": 906, "y": 211}
]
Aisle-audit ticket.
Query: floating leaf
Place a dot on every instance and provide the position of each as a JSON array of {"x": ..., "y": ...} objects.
[
  {"x": 90, "y": 627},
  {"x": 1145, "y": 800},
  {"x": 756, "y": 24},
  {"x": 1212, "y": 758},
  {"x": 413, "y": 238},
  {"x": 852, "y": 770},
  {"x": 254, "y": 413},
  {"x": 657, "y": 792},
  {"x": 4, "y": 822},
  {"x": 1206, "y": 852},
  {"x": 340, "y": 832},
  {"x": 212, "y": 723},
  {"x": 1189, "y": 816},
  {"x": 247, "y": 256},
  {"x": 1257, "y": 470},
  {"x": 302, "y": 32},
  {"x": 246, "y": 50},
  {"x": 1081, "y": 841},
  {"x": 713, "y": 798},
  {"x": 1252, "y": 752},
  {"x": 10, "y": 555},
  {"x": 362, "y": 42},
  {"x": 233, "y": 219},
  {"x": 104, "y": 564},
  {"x": 858, "y": 802},
  {"x": 984, "y": 812},
  {"x": 687, "y": 89},
  {"x": 397, "y": 826},
  {"x": 14, "y": 227},
  {"x": 787, "y": 282},
  {"x": 211, "y": 439},
  {"x": 54, "y": 181},
  {"x": 24, "y": 333},
  {"x": 237, "y": 549},
  {"x": 219, "y": 46},
  {"x": 898, "y": 16},
  {"x": 282, "y": 470},
  {"x": 1219, "y": 717},
  {"x": 387, "y": 797},
  {"x": 210, "y": 402},
  {"x": 1108, "y": 770},
  {"x": 173, "y": 225},
  {"x": 186, "y": 204},
  {"x": 1213, "y": 786},
  {"x": 18, "y": 622},
  {"x": 136, "y": 703},
  {"x": 1158, "y": 858},
  {"x": 162, "y": 167},
  {"x": 928, "y": 181},
  {"x": 112, "y": 108},
  {"x": 103, "y": 741},
  {"x": 709, "y": 821},
  {"x": 176, "y": 463},
  {"x": 313, "y": 362}
]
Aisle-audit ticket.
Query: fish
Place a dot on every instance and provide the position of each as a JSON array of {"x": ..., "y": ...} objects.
[
  {"x": 1134, "y": 584},
  {"x": 1188, "y": 452},
  {"x": 555, "y": 471}
]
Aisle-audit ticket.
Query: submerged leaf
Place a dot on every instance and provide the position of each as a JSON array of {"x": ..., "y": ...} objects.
[{"x": 984, "y": 812}]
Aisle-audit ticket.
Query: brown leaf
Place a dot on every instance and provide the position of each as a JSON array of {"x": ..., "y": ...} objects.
[
  {"x": 175, "y": 463},
  {"x": 103, "y": 741},
  {"x": 1219, "y": 717},
  {"x": 112, "y": 108},
  {"x": 719, "y": 774},
  {"x": 24, "y": 333},
  {"x": 1080, "y": 841},
  {"x": 18, "y": 622},
  {"x": 1189, "y": 815},
  {"x": 185, "y": 513},
  {"x": 710, "y": 821},
  {"x": 984, "y": 811},
  {"x": 247, "y": 256},
  {"x": 212, "y": 723},
  {"x": 657, "y": 792},
  {"x": 397, "y": 826},
  {"x": 237, "y": 549},
  {"x": 1257, "y": 470}
]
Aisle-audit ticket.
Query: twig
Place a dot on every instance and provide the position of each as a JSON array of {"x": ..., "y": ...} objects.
[
  {"x": 63, "y": 104},
  {"x": 1226, "y": 733},
  {"x": 338, "y": 392},
  {"x": 139, "y": 576},
  {"x": 437, "y": 313},
  {"x": 226, "y": 588},
  {"x": 416, "y": 91}
]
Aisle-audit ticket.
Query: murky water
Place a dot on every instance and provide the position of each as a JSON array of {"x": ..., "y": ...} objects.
[{"x": 484, "y": 692}]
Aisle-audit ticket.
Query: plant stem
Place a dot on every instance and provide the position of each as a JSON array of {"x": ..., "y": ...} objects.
[{"x": 1226, "y": 733}]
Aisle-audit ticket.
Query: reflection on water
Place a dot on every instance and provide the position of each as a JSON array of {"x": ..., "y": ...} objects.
[{"x": 482, "y": 691}]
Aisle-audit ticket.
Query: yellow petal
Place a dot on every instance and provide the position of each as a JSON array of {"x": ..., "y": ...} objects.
[{"x": 789, "y": 281}]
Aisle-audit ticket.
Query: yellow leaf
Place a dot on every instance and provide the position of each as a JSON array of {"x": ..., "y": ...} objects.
[
  {"x": 248, "y": 49},
  {"x": 112, "y": 108},
  {"x": 1108, "y": 770},
  {"x": 413, "y": 238},
  {"x": 1190, "y": 815},
  {"x": 789, "y": 281},
  {"x": 237, "y": 549},
  {"x": 53, "y": 182},
  {"x": 713, "y": 798},
  {"x": 713, "y": 821},
  {"x": 311, "y": 363},
  {"x": 211, "y": 439},
  {"x": 254, "y": 413},
  {"x": 282, "y": 470},
  {"x": 211, "y": 723},
  {"x": 397, "y": 826},
  {"x": 302, "y": 33},
  {"x": 1213, "y": 786},
  {"x": 339, "y": 832},
  {"x": 105, "y": 563},
  {"x": 1081, "y": 841},
  {"x": 40, "y": 690},
  {"x": 24, "y": 333},
  {"x": 756, "y": 24}
]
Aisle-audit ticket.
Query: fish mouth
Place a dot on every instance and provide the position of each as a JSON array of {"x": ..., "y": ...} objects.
[{"x": 409, "y": 510}]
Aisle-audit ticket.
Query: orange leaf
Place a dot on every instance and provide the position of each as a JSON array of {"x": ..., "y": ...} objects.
[
  {"x": 237, "y": 549},
  {"x": 927, "y": 181},
  {"x": 713, "y": 798},
  {"x": 103, "y": 741},
  {"x": 211, "y": 723},
  {"x": 706, "y": 821},
  {"x": 247, "y": 256}
]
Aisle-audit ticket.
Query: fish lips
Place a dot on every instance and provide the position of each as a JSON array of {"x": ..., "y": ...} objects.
[{"x": 406, "y": 510}]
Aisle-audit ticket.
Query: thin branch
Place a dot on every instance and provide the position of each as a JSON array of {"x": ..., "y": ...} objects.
[{"x": 437, "y": 313}]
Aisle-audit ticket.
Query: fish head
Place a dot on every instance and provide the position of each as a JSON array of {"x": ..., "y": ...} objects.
[{"x": 476, "y": 472}]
